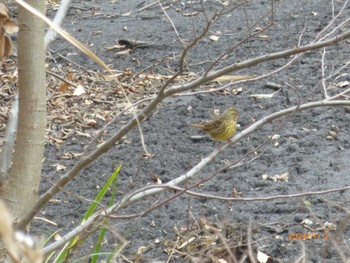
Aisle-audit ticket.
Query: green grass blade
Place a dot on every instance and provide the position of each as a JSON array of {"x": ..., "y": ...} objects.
[
  {"x": 97, "y": 247},
  {"x": 62, "y": 256}
]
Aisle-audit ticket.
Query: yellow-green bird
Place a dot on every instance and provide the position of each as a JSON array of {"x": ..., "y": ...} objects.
[{"x": 221, "y": 128}]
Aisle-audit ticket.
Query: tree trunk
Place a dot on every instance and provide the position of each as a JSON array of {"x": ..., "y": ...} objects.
[{"x": 21, "y": 189}]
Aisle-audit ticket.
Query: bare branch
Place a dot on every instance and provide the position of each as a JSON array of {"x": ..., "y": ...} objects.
[
  {"x": 255, "y": 61},
  {"x": 58, "y": 20}
]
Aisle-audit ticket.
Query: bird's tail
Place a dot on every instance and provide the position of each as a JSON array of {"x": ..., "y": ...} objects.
[{"x": 197, "y": 126}]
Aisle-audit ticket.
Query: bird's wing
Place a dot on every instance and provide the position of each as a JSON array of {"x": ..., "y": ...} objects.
[{"x": 213, "y": 125}]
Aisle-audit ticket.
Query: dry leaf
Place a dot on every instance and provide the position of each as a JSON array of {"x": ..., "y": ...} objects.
[
  {"x": 18, "y": 244},
  {"x": 332, "y": 135},
  {"x": 330, "y": 226},
  {"x": 10, "y": 26},
  {"x": 79, "y": 91},
  {"x": 307, "y": 222},
  {"x": 275, "y": 137},
  {"x": 91, "y": 123},
  {"x": 7, "y": 26},
  {"x": 156, "y": 179},
  {"x": 262, "y": 257},
  {"x": 3, "y": 11},
  {"x": 342, "y": 84},
  {"x": 277, "y": 178},
  {"x": 5, "y": 47},
  {"x": 226, "y": 3},
  {"x": 282, "y": 177},
  {"x": 83, "y": 134},
  {"x": 147, "y": 155},
  {"x": 6, "y": 231},
  {"x": 64, "y": 85},
  {"x": 214, "y": 38},
  {"x": 61, "y": 167},
  {"x": 236, "y": 91}
]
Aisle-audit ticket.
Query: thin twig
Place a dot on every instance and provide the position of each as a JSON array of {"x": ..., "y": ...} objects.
[
  {"x": 255, "y": 61},
  {"x": 61, "y": 78},
  {"x": 323, "y": 67},
  {"x": 249, "y": 243}
]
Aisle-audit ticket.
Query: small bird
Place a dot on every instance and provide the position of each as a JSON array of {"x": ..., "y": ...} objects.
[{"x": 221, "y": 128}]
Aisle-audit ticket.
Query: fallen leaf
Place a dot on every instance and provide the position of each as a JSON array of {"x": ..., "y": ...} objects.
[
  {"x": 306, "y": 222},
  {"x": 87, "y": 135},
  {"x": 147, "y": 155},
  {"x": 79, "y": 91},
  {"x": 61, "y": 167},
  {"x": 156, "y": 179},
  {"x": 281, "y": 178},
  {"x": 10, "y": 26},
  {"x": 330, "y": 226},
  {"x": 91, "y": 123},
  {"x": 332, "y": 135},
  {"x": 236, "y": 91},
  {"x": 275, "y": 137},
  {"x": 214, "y": 38},
  {"x": 342, "y": 84},
  {"x": 262, "y": 257},
  {"x": 277, "y": 178},
  {"x": 3, "y": 11},
  {"x": 64, "y": 85}
]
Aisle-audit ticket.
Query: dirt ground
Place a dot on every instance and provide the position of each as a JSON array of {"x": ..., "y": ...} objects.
[{"x": 314, "y": 160}]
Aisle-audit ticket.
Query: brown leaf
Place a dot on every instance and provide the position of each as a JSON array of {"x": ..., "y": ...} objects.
[
  {"x": 3, "y": 11},
  {"x": 5, "y": 47},
  {"x": 64, "y": 85},
  {"x": 10, "y": 26}
]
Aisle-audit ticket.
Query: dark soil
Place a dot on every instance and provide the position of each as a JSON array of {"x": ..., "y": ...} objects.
[{"x": 314, "y": 161}]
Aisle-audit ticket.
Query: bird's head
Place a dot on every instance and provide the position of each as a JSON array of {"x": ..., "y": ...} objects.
[{"x": 232, "y": 112}]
